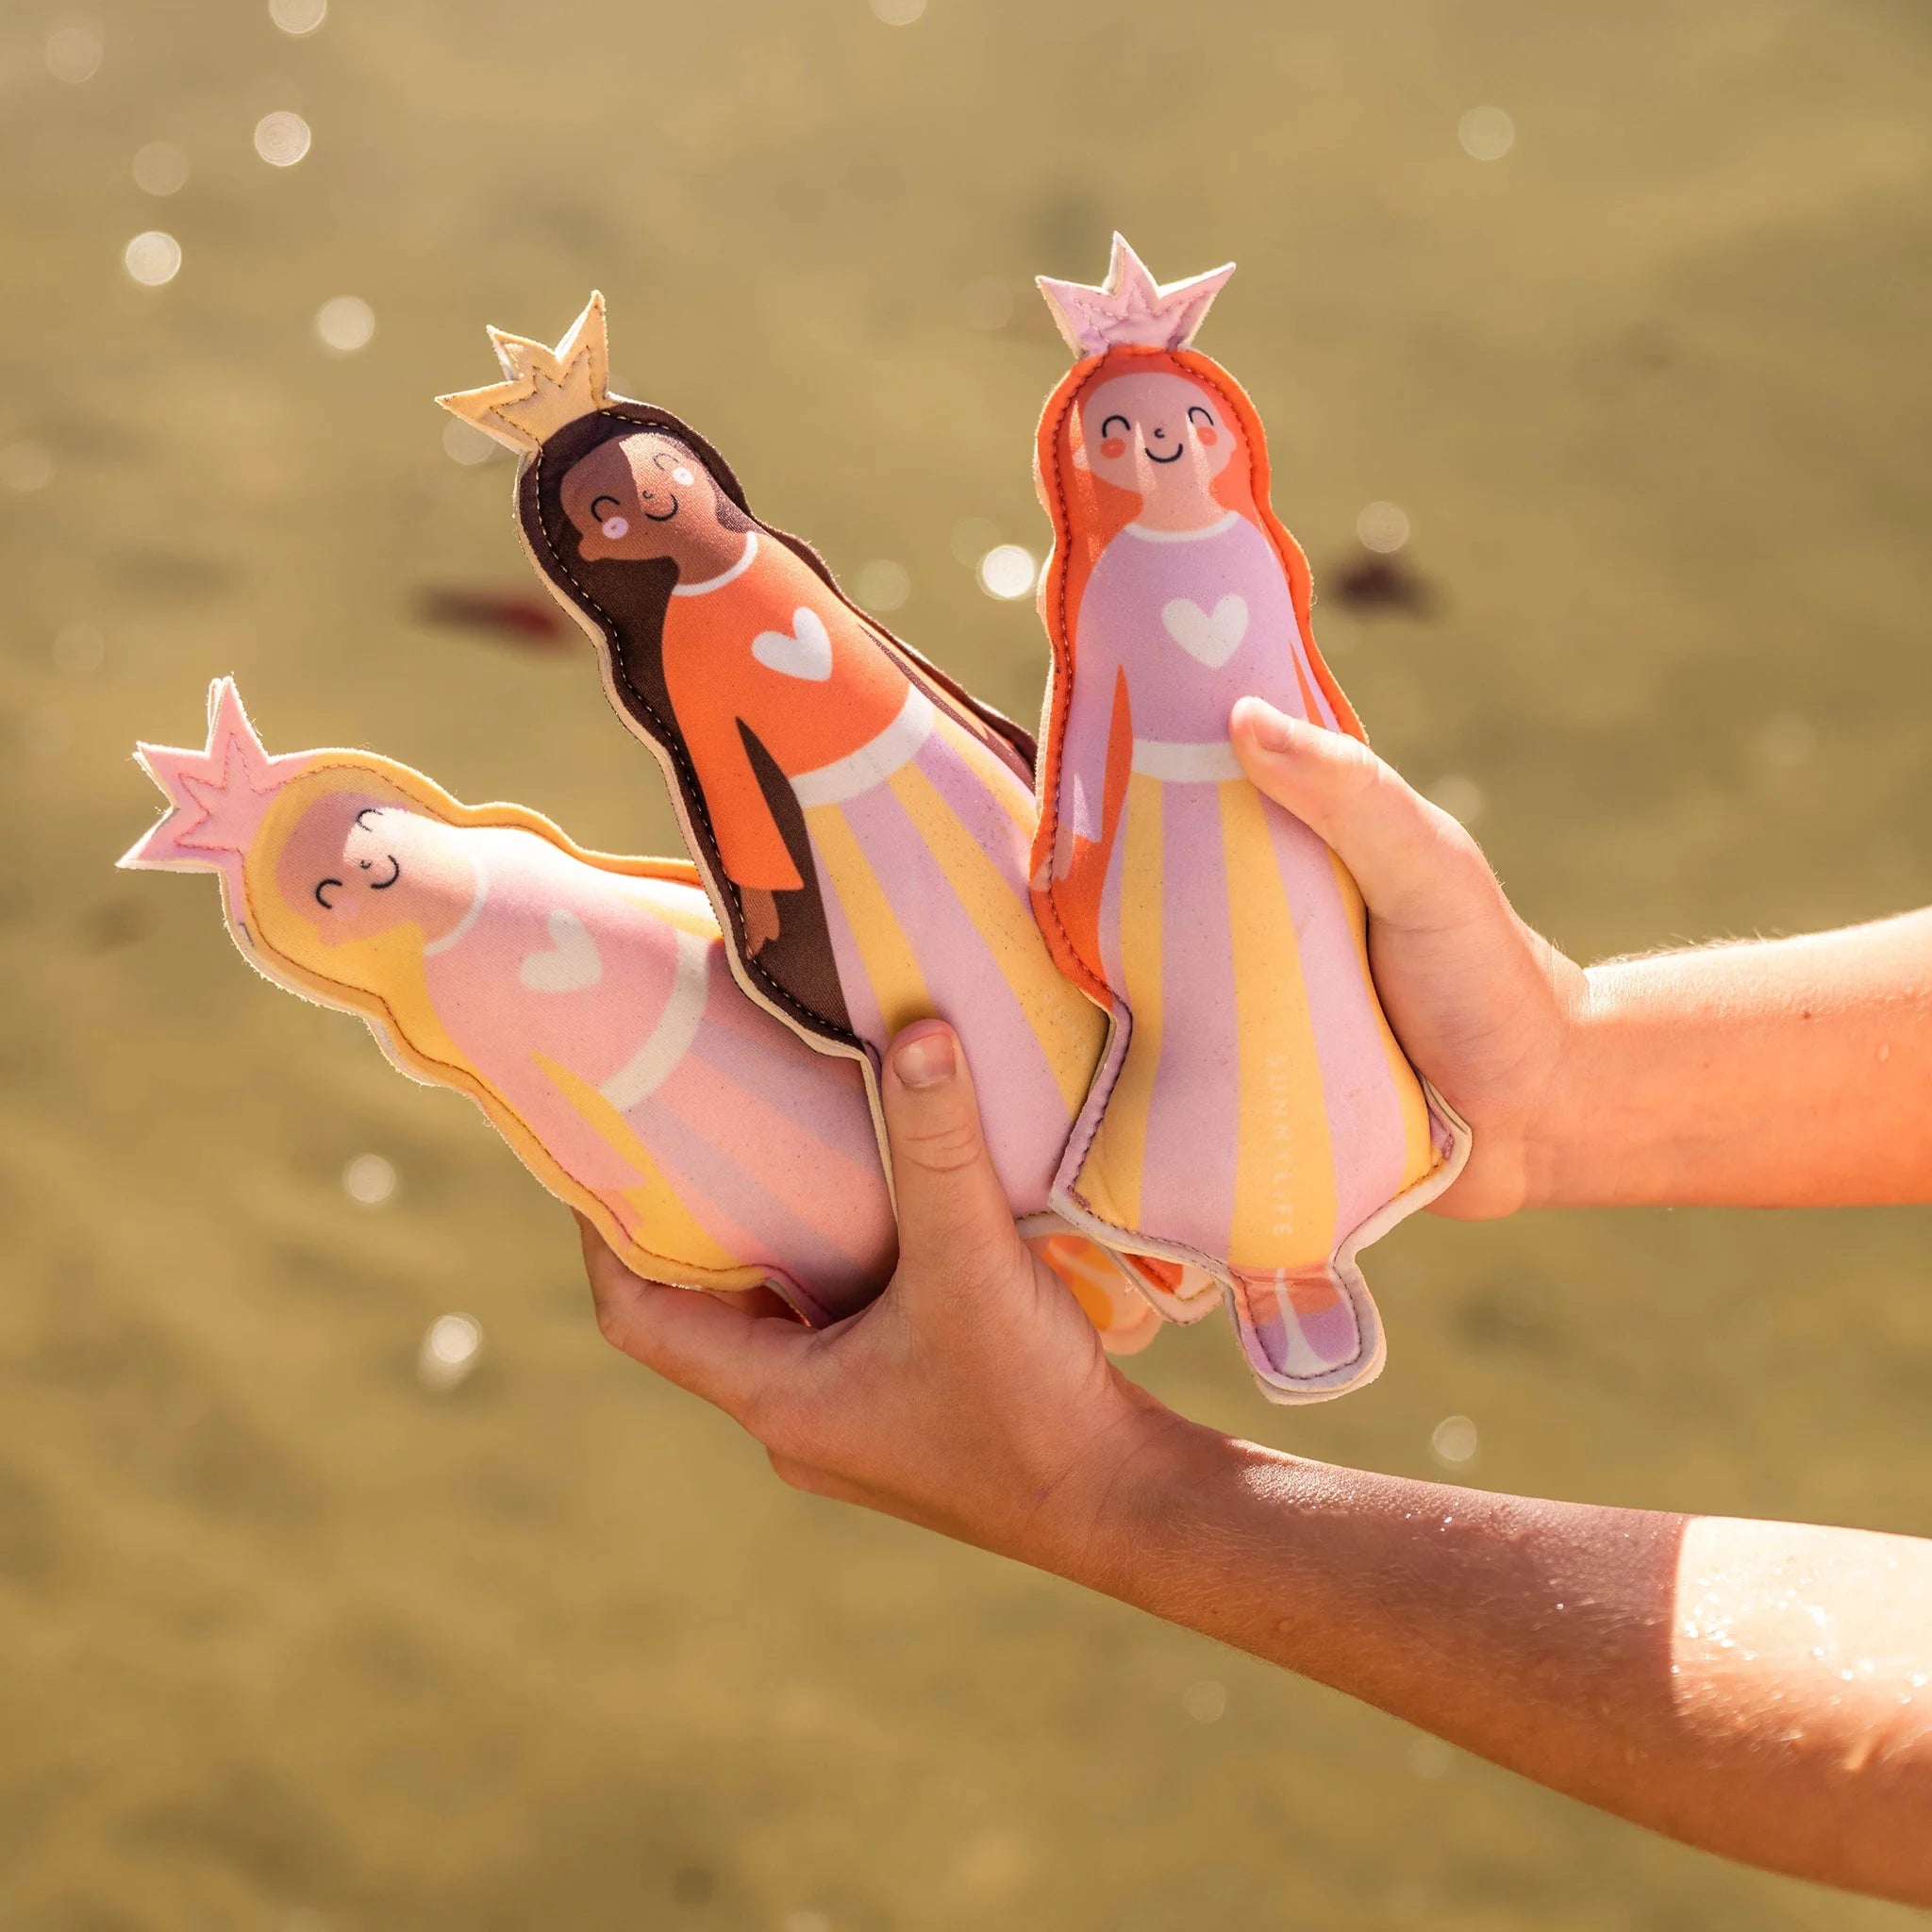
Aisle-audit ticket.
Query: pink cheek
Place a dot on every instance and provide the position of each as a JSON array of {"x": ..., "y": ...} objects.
[
  {"x": 1208, "y": 437},
  {"x": 1113, "y": 449}
]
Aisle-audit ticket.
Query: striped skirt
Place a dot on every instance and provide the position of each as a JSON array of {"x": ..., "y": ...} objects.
[
  {"x": 922, "y": 841},
  {"x": 1262, "y": 1110}
]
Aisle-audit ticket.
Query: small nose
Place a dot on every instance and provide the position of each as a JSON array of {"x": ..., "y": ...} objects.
[{"x": 1159, "y": 431}]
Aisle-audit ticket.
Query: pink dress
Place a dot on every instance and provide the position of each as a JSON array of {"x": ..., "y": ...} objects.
[
  {"x": 1261, "y": 1110},
  {"x": 614, "y": 1031}
]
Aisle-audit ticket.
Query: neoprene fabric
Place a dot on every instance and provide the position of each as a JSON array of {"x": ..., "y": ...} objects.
[
  {"x": 583, "y": 1001},
  {"x": 1253, "y": 1113}
]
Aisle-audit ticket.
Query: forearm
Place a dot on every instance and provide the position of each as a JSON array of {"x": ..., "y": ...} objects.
[
  {"x": 1792, "y": 1073},
  {"x": 1674, "y": 1671}
]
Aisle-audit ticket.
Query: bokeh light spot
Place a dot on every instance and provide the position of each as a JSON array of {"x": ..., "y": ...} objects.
[
  {"x": 298, "y": 17},
  {"x": 1487, "y": 133},
  {"x": 281, "y": 139},
  {"x": 1454, "y": 1441},
  {"x": 449, "y": 1351},
  {"x": 882, "y": 585},
  {"x": 153, "y": 258},
  {"x": 463, "y": 442},
  {"x": 1459, "y": 795},
  {"x": 161, "y": 168},
  {"x": 1008, "y": 571},
  {"x": 26, "y": 466},
  {"x": 369, "y": 1180},
  {"x": 1382, "y": 528},
  {"x": 1206, "y": 1702},
  {"x": 898, "y": 12},
  {"x": 79, "y": 650},
  {"x": 73, "y": 54},
  {"x": 345, "y": 324}
]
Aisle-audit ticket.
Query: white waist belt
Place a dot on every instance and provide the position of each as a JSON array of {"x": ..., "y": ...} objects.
[
  {"x": 871, "y": 763},
  {"x": 1181, "y": 764},
  {"x": 656, "y": 1060}
]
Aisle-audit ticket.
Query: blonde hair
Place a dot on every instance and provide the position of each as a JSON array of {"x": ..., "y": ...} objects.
[{"x": 383, "y": 972}]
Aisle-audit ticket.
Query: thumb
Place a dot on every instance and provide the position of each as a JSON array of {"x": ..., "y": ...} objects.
[
  {"x": 956, "y": 1227},
  {"x": 1413, "y": 862}
]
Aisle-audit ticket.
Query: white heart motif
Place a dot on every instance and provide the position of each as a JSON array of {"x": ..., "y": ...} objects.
[
  {"x": 1210, "y": 638},
  {"x": 572, "y": 962},
  {"x": 804, "y": 651}
]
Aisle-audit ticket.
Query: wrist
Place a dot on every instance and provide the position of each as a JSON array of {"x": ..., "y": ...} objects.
[{"x": 1558, "y": 1135}]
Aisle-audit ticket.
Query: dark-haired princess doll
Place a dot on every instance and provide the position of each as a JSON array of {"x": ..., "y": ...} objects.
[{"x": 864, "y": 827}]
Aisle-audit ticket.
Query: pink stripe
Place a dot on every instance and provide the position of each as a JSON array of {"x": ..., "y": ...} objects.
[
  {"x": 1025, "y": 1116},
  {"x": 1187, "y": 1193}
]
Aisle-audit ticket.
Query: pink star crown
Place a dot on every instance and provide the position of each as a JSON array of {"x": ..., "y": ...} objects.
[
  {"x": 1130, "y": 307},
  {"x": 217, "y": 798}
]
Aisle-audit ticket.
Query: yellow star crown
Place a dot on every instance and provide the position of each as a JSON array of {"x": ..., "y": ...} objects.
[{"x": 546, "y": 387}]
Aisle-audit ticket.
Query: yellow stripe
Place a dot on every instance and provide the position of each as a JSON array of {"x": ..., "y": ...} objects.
[
  {"x": 678, "y": 906},
  {"x": 897, "y": 983},
  {"x": 998, "y": 777},
  {"x": 1111, "y": 1177},
  {"x": 657, "y": 1210},
  {"x": 1418, "y": 1150},
  {"x": 1283, "y": 1197},
  {"x": 1067, "y": 1025}
]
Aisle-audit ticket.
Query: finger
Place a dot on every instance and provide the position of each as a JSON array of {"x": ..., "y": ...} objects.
[
  {"x": 1414, "y": 863},
  {"x": 955, "y": 1228},
  {"x": 719, "y": 1350}
]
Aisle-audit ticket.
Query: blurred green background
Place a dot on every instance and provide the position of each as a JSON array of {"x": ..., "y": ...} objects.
[{"x": 292, "y": 1639}]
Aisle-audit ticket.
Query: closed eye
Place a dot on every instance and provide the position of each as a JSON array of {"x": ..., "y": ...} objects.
[
  {"x": 665, "y": 461},
  {"x": 598, "y": 515},
  {"x": 322, "y": 897},
  {"x": 1198, "y": 414},
  {"x": 1126, "y": 426}
]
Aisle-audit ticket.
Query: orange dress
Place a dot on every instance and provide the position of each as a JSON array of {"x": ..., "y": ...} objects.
[{"x": 920, "y": 837}]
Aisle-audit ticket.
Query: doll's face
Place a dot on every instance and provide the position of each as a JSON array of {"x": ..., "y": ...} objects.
[
  {"x": 355, "y": 868},
  {"x": 642, "y": 496},
  {"x": 1161, "y": 436}
]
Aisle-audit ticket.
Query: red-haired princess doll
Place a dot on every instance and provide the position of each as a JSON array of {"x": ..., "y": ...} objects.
[
  {"x": 863, "y": 827},
  {"x": 1255, "y": 1113}
]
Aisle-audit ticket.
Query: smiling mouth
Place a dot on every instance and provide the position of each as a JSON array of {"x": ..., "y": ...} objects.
[
  {"x": 395, "y": 872},
  {"x": 1174, "y": 459},
  {"x": 666, "y": 517}
]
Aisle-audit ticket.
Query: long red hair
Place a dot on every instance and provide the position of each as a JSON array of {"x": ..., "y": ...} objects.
[{"x": 1087, "y": 514}]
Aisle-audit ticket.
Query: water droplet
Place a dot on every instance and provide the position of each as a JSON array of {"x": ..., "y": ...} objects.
[
  {"x": 345, "y": 324},
  {"x": 882, "y": 585},
  {"x": 450, "y": 1350},
  {"x": 369, "y": 1180},
  {"x": 1204, "y": 1702},
  {"x": 73, "y": 54},
  {"x": 298, "y": 17},
  {"x": 161, "y": 168},
  {"x": 1487, "y": 133},
  {"x": 281, "y": 139},
  {"x": 153, "y": 258},
  {"x": 1453, "y": 1443},
  {"x": 1008, "y": 571},
  {"x": 1382, "y": 528}
]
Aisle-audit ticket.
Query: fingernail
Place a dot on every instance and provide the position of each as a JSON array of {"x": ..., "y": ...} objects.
[
  {"x": 1270, "y": 726},
  {"x": 927, "y": 1061}
]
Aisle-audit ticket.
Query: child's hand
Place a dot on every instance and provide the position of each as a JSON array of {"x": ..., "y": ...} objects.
[
  {"x": 972, "y": 1397},
  {"x": 1484, "y": 1007}
]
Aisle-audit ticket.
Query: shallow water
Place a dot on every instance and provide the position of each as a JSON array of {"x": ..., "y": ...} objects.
[{"x": 291, "y": 1641}]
